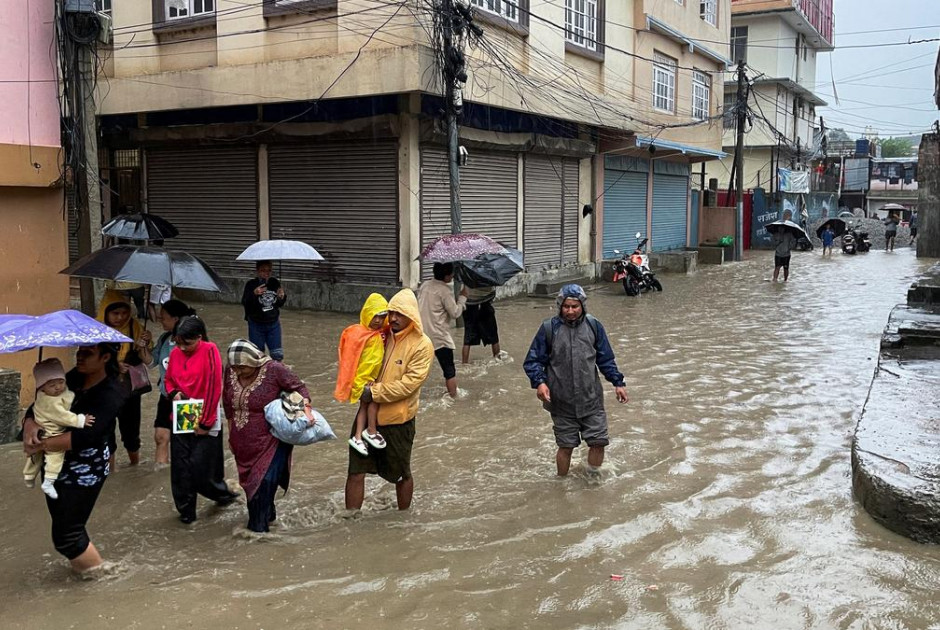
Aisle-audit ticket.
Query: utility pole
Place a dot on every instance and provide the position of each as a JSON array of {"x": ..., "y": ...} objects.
[
  {"x": 739, "y": 165},
  {"x": 89, "y": 238}
]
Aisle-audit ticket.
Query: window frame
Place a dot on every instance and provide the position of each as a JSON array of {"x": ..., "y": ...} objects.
[
  {"x": 519, "y": 26},
  {"x": 701, "y": 91},
  {"x": 730, "y": 100},
  {"x": 705, "y": 14},
  {"x": 275, "y": 8},
  {"x": 163, "y": 23},
  {"x": 668, "y": 67},
  {"x": 100, "y": 6},
  {"x": 736, "y": 42},
  {"x": 600, "y": 18}
]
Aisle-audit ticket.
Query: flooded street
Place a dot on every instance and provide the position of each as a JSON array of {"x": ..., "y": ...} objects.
[{"x": 726, "y": 500}]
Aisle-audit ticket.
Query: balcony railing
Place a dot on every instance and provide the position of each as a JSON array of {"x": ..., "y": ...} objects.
[{"x": 819, "y": 14}]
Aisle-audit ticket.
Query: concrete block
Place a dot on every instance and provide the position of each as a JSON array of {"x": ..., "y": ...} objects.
[
  {"x": 926, "y": 289},
  {"x": 681, "y": 261},
  {"x": 10, "y": 384},
  {"x": 708, "y": 255}
]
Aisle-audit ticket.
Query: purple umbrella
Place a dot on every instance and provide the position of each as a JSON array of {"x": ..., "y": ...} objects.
[
  {"x": 466, "y": 246},
  {"x": 61, "y": 329}
]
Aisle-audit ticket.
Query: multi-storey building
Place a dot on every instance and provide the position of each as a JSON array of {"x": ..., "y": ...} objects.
[
  {"x": 779, "y": 40},
  {"x": 32, "y": 212},
  {"x": 320, "y": 120}
]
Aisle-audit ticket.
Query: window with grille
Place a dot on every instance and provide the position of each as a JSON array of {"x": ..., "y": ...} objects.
[
  {"x": 581, "y": 23},
  {"x": 104, "y": 6},
  {"x": 701, "y": 95},
  {"x": 176, "y": 9},
  {"x": 739, "y": 43},
  {"x": 502, "y": 8},
  {"x": 730, "y": 118},
  {"x": 708, "y": 9},
  {"x": 664, "y": 83}
]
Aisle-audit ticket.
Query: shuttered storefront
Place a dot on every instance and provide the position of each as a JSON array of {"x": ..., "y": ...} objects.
[
  {"x": 625, "y": 191},
  {"x": 670, "y": 205},
  {"x": 211, "y": 195},
  {"x": 343, "y": 200},
  {"x": 550, "y": 233},
  {"x": 489, "y": 186}
]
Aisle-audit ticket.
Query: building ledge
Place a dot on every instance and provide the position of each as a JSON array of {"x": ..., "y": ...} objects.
[
  {"x": 808, "y": 95},
  {"x": 657, "y": 26},
  {"x": 168, "y": 27},
  {"x": 596, "y": 55},
  {"x": 520, "y": 28},
  {"x": 272, "y": 8}
]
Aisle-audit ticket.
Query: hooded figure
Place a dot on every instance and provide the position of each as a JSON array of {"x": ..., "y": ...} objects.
[
  {"x": 112, "y": 301},
  {"x": 562, "y": 365},
  {"x": 360, "y": 351}
]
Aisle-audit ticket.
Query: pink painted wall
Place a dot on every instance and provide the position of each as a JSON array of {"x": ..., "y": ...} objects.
[{"x": 29, "y": 111}]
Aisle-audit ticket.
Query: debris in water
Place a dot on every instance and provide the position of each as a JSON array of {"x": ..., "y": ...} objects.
[{"x": 616, "y": 578}]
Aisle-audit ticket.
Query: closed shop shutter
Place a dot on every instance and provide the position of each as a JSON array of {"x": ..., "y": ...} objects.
[
  {"x": 670, "y": 199},
  {"x": 542, "y": 232},
  {"x": 625, "y": 188},
  {"x": 489, "y": 185},
  {"x": 572, "y": 210},
  {"x": 211, "y": 195},
  {"x": 343, "y": 200}
]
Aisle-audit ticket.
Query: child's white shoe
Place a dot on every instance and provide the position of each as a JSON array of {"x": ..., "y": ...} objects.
[
  {"x": 358, "y": 446},
  {"x": 375, "y": 441},
  {"x": 49, "y": 488}
]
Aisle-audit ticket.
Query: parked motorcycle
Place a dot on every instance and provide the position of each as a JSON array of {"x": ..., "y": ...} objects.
[
  {"x": 633, "y": 270},
  {"x": 849, "y": 244},
  {"x": 862, "y": 242}
]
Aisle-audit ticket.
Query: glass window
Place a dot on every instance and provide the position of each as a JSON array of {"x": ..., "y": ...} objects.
[
  {"x": 701, "y": 95},
  {"x": 664, "y": 83},
  {"x": 502, "y": 8},
  {"x": 176, "y": 9},
  {"x": 730, "y": 120},
  {"x": 581, "y": 23},
  {"x": 104, "y": 6},
  {"x": 739, "y": 44},
  {"x": 708, "y": 9}
]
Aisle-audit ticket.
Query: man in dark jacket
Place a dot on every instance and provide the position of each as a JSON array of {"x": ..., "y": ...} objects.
[
  {"x": 263, "y": 298},
  {"x": 562, "y": 365}
]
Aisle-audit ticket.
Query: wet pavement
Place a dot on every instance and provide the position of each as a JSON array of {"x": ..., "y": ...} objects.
[{"x": 726, "y": 499}]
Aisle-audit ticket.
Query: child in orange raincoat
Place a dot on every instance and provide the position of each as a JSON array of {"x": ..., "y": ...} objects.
[{"x": 361, "y": 351}]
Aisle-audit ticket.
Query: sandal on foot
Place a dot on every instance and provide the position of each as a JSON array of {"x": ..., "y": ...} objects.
[
  {"x": 358, "y": 446},
  {"x": 375, "y": 441}
]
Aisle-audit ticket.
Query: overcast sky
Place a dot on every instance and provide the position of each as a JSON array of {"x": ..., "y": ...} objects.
[{"x": 889, "y": 88}]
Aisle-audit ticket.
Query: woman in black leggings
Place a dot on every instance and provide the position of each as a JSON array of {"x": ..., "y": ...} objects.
[{"x": 97, "y": 393}]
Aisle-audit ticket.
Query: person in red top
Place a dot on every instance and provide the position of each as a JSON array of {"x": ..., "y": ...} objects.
[{"x": 196, "y": 460}]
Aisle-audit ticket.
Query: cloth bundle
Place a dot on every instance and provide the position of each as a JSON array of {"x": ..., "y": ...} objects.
[{"x": 288, "y": 423}]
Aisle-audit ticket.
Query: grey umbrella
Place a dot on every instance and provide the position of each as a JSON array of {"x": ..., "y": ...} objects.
[{"x": 147, "y": 265}]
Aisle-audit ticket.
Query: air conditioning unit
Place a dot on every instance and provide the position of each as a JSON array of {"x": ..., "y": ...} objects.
[{"x": 105, "y": 33}]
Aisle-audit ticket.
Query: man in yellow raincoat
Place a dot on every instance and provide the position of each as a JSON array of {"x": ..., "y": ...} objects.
[{"x": 405, "y": 367}]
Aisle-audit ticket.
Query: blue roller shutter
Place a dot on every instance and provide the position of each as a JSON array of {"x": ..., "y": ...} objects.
[
  {"x": 670, "y": 206},
  {"x": 624, "y": 203}
]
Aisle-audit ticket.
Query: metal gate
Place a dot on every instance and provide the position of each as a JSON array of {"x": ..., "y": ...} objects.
[
  {"x": 489, "y": 185},
  {"x": 625, "y": 190},
  {"x": 670, "y": 211},
  {"x": 211, "y": 195},
  {"x": 550, "y": 231},
  {"x": 343, "y": 200}
]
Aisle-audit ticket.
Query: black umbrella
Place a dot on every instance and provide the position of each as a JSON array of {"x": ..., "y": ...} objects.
[
  {"x": 778, "y": 227},
  {"x": 837, "y": 225},
  {"x": 147, "y": 265},
  {"x": 140, "y": 227},
  {"x": 490, "y": 270}
]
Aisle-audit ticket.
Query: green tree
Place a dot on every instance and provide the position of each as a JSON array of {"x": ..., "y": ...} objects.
[
  {"x": 838, "y": 134},
  {"x": 896, "y": 147}
]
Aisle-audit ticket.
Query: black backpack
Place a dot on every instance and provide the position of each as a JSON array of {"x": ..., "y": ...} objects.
[{"x": 550, "y": 334}]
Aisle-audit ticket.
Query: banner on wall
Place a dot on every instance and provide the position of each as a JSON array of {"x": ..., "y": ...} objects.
[{"x": 792, "y": 181}]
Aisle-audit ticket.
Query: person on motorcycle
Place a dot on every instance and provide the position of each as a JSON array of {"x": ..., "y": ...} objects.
[{"x": 562, "y": 365}]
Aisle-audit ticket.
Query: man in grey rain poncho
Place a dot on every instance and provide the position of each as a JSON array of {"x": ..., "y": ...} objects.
[{"x": 562, "y": 366}]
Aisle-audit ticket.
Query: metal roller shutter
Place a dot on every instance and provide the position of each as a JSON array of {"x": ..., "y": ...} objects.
[
  {"x": 670, "y": 199},
  {"x": 572, "y": 211},
  {"x": 624, "y": 209},
  {"x": 488, "y": 196},
  {"x": 211, "y": 195},
  {"x": 542, "y": 232},
  {"x": 343, "y": 200}
]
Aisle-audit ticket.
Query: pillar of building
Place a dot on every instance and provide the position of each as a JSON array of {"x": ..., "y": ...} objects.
[{"x": 409, "y": 197}]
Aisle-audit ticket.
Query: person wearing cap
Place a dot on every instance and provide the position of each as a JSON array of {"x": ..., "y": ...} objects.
[
  {"x": 53, "y": 413},
  {"x": 251, "y": 381},
  {"x": 438, "y": 310},
  {"x": 263, "y": 299},
  {"x": 562, "y": 365}
]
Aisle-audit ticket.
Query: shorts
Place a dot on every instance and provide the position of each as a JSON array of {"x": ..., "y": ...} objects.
[
  {"x": 445, "y": 356},
  {"x": 892, "y": 234},
  {"x": 782, "y": 261},
  {"x": 570, "y": 431},
  {"x": 392, "y": 463},
  {"x": 164, "y": 418},
  {"x": 480, "y": 325},
  {"x": 913, "y": 233}
]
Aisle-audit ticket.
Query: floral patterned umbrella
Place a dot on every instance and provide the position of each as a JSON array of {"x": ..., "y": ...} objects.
[
  {"x": 61, "y": 329},
  {"x": 465, "y": 246}
]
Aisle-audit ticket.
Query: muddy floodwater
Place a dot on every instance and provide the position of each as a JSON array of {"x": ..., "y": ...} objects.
[{"x": 725, "y": 500}]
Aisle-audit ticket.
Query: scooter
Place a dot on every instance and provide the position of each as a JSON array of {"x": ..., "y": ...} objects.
[
  {"x": 634, "y": 270},
  {"x": 849, "y": 243},
  {"x": 862, "y": 242}
]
